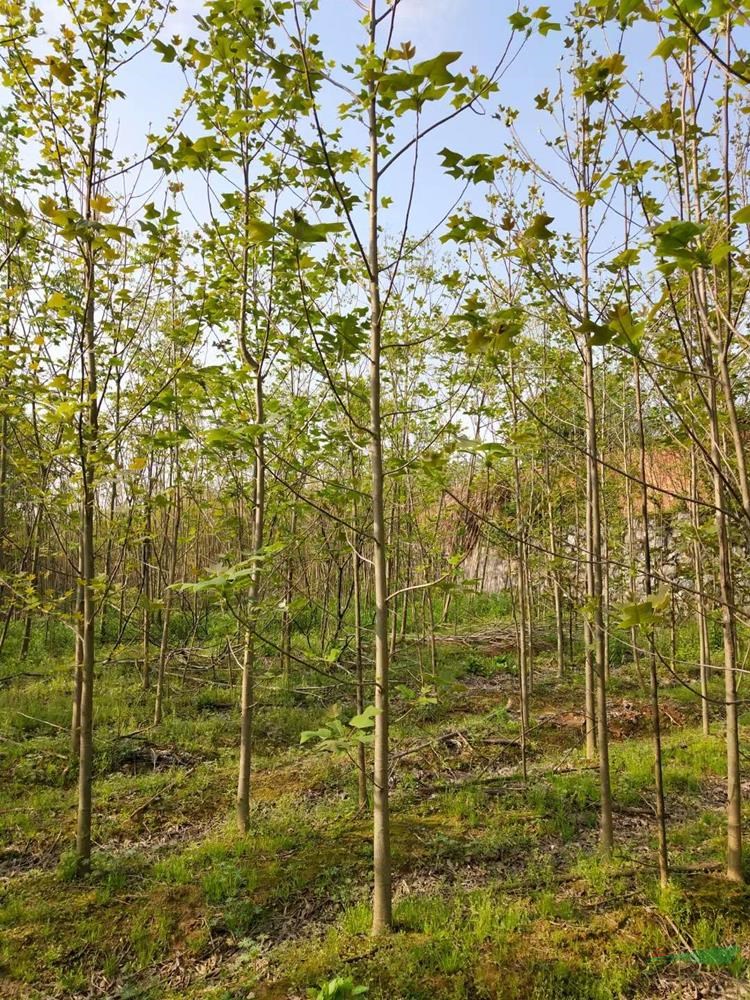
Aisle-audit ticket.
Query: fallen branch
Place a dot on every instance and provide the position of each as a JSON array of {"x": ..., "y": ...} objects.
[
  {"x": 158, "y": 795},
  {"x": 44, "y": 722},
  {"x": 20, "y": 673}
]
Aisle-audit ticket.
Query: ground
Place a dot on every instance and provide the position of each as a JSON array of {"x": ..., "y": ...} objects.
[{"x": 500, "y": 890}]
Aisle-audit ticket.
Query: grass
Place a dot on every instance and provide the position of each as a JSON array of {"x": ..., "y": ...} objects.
[{"x": 500, "y": 889}]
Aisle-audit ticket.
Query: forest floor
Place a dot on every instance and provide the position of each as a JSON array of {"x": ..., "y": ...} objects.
[{"x": 500, "y": 891}]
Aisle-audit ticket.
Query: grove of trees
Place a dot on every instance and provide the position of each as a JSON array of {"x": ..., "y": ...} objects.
[{"x": 352, "y": 343}]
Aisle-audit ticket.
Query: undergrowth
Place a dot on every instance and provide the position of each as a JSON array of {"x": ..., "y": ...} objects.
[{"x": 500, "y": 887}]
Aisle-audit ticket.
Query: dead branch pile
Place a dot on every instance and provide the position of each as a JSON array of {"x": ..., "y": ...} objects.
[
  {"x": 501, "y": 638},
  {"x": 138, "y": 755}
]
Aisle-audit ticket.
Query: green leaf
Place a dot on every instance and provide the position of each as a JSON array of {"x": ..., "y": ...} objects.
[
  {"x": 10, "y": 205},
  {"x": 47, "y": 206},
  {"x": 636, "y": 615},
  {"x": 597, "y": 334},
  {"x": 742, "y": 217},
  {"x": 624, "y": 259},
  {"x": 62, "y": 71},
  {"x": 315, "y": 734},
  {"x": 600, "y": 79},
  {"x": 201, "y": 60},
  {"x": 57, "y": 302},
  {"x": 628, "y": 6},
  {"x": 366, "y": 719},
  {"x": 167, "y": 52},
  {"x": 519, "y": 21},
  {"x": 675, "y": 243},
  {"x": 67, "y": 409},
  {"x": 628, "y": 331},
  {"x": 493, "y": 449},
  {"x": 427, "y": 696},
  {"x": 643, "y": 614},
  {"x": 259, "y": 231},
  {"x": 261, "y": 98},
  {"x": 464, "y": 229},
  {"x": 306, "y": 232},
  {"x": 100, "y": 203},
  {"x": 436, "y": 69},
  {"x": 667, "y": 46},
  {"x": 539, "y": 228},
  {"x": 476, "y": 168},
  {"x": 680, "y": 231},
  {"x": 720, "y": 253}
]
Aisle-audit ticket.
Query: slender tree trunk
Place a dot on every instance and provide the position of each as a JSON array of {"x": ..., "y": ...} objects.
[
  {"x": 594, "y": 525},
  {"x": 255, "y": 364},
  {"x": 89, "y": 435},
  {"x": 393, "y": 567},
  {"x": 362, "y": 797},
  {"x": 382, "y": 912},
  {"x": 556, "y": 588},
  {"x": 26, "y": 641},
  {"x": 704, "y": 651},
  {"x": 75, "y": 724},
  {"x": 146, "y": 578},
  {"x": 3, "y": 488},
  {"x": 709, "y": 338},
  {"x": 171, "y": 576},
  {"x": 112, "y": 506},
  {"x": 726, "y": 587},
  {"x": 661, "y": 821},
  {"x": 631, "y": 537},
  {"x": 528, "y": 615},
  {"x": 248, "y": 661},
  {"x": 286, "y": 618},
  {"x": 588, "y": 641},
  {"x": 597, "y": 611},
  {"x": 522, "y": 577}
]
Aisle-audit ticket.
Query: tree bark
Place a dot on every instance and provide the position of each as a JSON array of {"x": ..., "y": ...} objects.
[
  {"x": 661, "y": 821},
  {"x": 382, "y": 906}
]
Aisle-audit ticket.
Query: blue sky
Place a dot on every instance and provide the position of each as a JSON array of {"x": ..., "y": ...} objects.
[
  {"x": 477, "y": 28},
  {"x": 480, "y": 30}
]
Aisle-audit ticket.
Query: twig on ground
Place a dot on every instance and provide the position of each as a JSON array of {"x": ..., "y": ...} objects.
[{"x": 166, "y": 788}]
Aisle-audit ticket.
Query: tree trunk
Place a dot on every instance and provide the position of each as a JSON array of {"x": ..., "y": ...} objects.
[
  {"x": 653, "y": 675},
  {"x": 75, "y": 724},
  {"x": 704, "y": 651},
  {"x": 594, "y": 537},
  {"x": 248, "y": 660},
  {"x": 146, "y": 578},
  {"x": 726, "y": 587},
  {"x": 88, "y": 456},
  {"x": 382, "y": 906},
  {"x": 171, "y": 576},
  {"x": 362, "y": 797}
]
